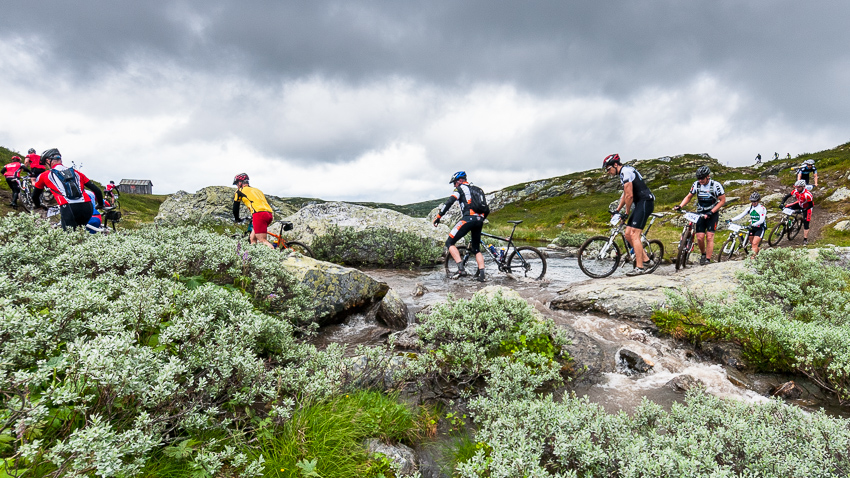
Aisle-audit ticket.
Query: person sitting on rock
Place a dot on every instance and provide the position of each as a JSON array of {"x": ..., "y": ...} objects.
[
  {"x": 805, "y": 203},
  {"x": 710, "y": 198},
  {"x": 639, "y": 199},
  {"x": 261, "y": 211},
  {"x": 758, "y": 217},
  {"x": 472, "y": 221}
]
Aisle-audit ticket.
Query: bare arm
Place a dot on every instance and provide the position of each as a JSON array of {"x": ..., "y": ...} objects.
[
  {"x": 627, "y": 198},
  {"x": 687, "y": 200}
]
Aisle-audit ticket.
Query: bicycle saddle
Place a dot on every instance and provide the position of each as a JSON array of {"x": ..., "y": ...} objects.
[
  {"x": 515, "y": 222},
  {"x": 655, "y": 214},
  {"x": 287, "y": 226}
]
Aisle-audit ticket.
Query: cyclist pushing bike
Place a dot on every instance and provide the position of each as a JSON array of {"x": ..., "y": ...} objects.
[
  {"x": 470, "y": 199},
  {"x": 808, "y": 172},
  {"x": 758, "y": 224},
  {"x": 804, "y": 202},
  {"x": 710, "y": 198},
  {"x": 639, "y": 199},
  {"x": 12, "y": 173},
  {"x": 261, "y": 211},
  {"x": 68, "y": 188}
]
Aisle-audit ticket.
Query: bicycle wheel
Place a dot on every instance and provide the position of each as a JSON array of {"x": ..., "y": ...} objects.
[
  {"x": 597, "y": 258},
  {"x": 684, "y": 249},
  {"x": 300, "y": 247},
  {"x": 528, "y": 262},
  {"x": 730, "y": 247},
  {"x": 795, "y": 228},
  {"x": 26, "y": 200},
  {"x": 776, "y": 234},
  {"x": 451, "y": 265},
  {"x": 655, "y": 251}
]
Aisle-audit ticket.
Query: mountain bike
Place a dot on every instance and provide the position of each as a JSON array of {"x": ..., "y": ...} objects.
[
  {"x": 600, "y": 256},
  {"x": 526, "y": 261},
  {"x": 737, "y": 243},
  {"x": 278, "y": 241},
  {"x": 686, "y": 240},
  {"x": 789, "y": 226}
]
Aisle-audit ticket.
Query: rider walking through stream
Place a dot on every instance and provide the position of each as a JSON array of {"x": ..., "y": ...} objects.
[
  {"x": 472, "y": 221},
  {"x": 710, "y": 198},
  {"x": 639, "y": 199}
]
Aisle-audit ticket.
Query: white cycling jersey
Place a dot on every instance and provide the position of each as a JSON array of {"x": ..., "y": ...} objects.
[{"x": 758, "y": 214}]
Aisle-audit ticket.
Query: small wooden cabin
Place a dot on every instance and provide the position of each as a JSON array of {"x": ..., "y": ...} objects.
[{"x": 135, "y": 186}]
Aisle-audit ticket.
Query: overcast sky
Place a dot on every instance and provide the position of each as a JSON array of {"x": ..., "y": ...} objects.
[{"x": 384, "y": 100}]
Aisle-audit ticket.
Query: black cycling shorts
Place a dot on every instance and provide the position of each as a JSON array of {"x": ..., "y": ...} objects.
[
  {"x": 13, "y": 185},
  {"x": 472, "y": 224},
  {"x": 758, "y": 231},
  {"x": 640, "y": 213},
  {"x": 807, "y": 215},
  {"x": 707, "y": 225},
  {"x": 75, "y": 214}
]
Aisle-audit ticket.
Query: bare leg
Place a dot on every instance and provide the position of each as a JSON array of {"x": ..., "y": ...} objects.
[
  {"x": 261, "y": 238},
  {"x": 710, "y": 249},
  {"x": 756, "y": 241},
  {"x": 633, "y": 236},
  {"x": 700, "y": 237}
]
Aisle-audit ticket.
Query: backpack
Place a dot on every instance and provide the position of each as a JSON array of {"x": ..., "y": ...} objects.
[
  {"x": 478, "y": 201},
  {"x": 68, "y": 183}
]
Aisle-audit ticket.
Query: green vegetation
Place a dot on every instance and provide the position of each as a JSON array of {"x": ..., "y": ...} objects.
[
  {"x": 790, "y": 314},
  {"x": 378, "y": 246}
]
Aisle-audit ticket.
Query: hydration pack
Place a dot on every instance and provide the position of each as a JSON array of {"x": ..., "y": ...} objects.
[
  {"x": 68, "y": 183},
  {"x": 478, "y": 201}
]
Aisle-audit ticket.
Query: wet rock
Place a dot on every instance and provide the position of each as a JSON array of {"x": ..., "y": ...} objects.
[
  {"x": 407, "y": 339},
  {"x": 419, "y": 290},
  {"x": 399, "y": 454},
  {"x": 634, "y": 362},
  {"x": 636, "y": 297},
  {"x": 337, "y": 291},
  {"x": 392, "y": 311},
  {"x": 738, "y": 379},
  {"x": 211, "y": 205},
  {"x": 318, "y": 219},
  {"x": 726, "y": 353},
  {"x": 788, "y": 391},
  {"x": 840, "y": 194},
  {"x": 683, "y": 383}
]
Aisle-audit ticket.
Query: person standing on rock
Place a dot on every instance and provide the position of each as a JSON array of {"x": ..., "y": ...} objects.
[
  {"x": 472, "y": 221},
  {"x": 261, "y": 211},
  {"x": 710, "y": 198},
  {"x": 758, "y": 217},
  {"x": 639, "y": 199}
]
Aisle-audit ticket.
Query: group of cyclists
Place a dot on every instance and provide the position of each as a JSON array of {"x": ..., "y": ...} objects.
[
  {"x": 638, "y": 200},
  {"x": 79, "y": 200}
]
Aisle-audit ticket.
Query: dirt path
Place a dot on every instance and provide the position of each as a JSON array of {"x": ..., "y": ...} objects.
[{"x": 820, "y": 216}]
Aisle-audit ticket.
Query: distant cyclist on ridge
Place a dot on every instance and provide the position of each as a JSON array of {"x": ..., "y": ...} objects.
[{"x": 472, "y": 221}]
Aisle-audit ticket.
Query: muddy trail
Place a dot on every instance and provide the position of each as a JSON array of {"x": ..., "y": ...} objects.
[{"x": 603, "y": 343}]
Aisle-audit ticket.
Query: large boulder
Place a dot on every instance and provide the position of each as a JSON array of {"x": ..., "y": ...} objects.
[
  {"x": 840, "y": 194},
  {"x": 318, "y": 219},
  {"x": 210, "y": 205},
  {"x": 337, "y": 291},
  {"x": 636, "y": 297}
]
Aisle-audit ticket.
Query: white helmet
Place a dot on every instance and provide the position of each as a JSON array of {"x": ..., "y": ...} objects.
[
  {"x": 800, "y": 182},
  {"x": 810, "y": 162}
]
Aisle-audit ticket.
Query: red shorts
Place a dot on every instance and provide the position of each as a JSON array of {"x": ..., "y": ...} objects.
[{"x": 261, "y": 221}]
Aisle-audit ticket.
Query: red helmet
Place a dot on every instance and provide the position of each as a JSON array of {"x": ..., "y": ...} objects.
[
  {"x": 610, "y": 160},
  {"x": 16, "y": 158},
  {"x": 239, "y": 178}
]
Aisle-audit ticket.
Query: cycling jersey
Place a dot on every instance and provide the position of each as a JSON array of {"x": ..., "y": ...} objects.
[
  {"x": 806, "y": 172},
  {"x": 640, "y": 191},
  {"x": 708, "y": 195},
  {"x": 47, "y": 181},
  {"x": 804, "y": 199},
  {"x": 35, "y": 161},
  {"x": 253, "y": 198},
  {"x": 13, "y": 169},
  {"x": 93, "y": 199},
  {"x": 758, "y": 214},
  {"x": 464, "y": 198},
  {"x": 110, "y": 187}
]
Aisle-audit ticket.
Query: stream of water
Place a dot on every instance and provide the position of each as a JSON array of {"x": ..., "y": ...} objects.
[{"x": 618, "y": 388}]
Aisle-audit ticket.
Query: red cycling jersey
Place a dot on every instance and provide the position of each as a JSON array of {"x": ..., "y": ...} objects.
[
  {"x": 46, "y": 182},
  {"x": 804, "y": 199},
  {"x": 35, "y": 161},
  {"x": 12, "y": 170}
]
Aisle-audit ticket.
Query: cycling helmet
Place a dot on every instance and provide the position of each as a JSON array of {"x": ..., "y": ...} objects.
[
  {"x": 457, "y": 175},
  {"x": 810, "y": 162},
  {"x": 754, "y": 197},
  {"x": 610, "y": 160},
  {"x": 31, "y": 151},
  {"x": 239, "y": 178},
  {"x": 800, "y": 182},
  {"x": 50, "y": 154},
  {"x": 16, "y": 158},
  {"x": 703, "y": 172}
]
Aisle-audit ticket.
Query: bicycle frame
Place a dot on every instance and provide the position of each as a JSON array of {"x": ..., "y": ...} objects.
[
  {"x": 510, "y": 244},
  {"x": 617, "y": 230},
  {"x": 741, "y": 235}
]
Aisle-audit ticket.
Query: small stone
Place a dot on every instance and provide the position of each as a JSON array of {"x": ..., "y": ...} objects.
[
  {"x": 683, "y": 383},
  {"x": 788, "y": 391},
  {"x": 632, "y": 361},
  {"x": 419, "y": 290}
]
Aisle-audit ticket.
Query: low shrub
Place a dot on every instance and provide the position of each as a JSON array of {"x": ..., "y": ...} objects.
[
  {"x": 379, "y": 246},
  {"x": 571, "y": 239}
]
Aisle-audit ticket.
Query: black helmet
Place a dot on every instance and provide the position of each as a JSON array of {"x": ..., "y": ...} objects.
[
  {"x": 754, "y": 197},
  {"x": 31, "y": 151},
  {"x": 703, "y": 172},
  {"x": 610, "y": 160},
  {"x": 240, "y": 178},
  {"x": 457, "y": 175},
  {"x": 50, "y": 154}
]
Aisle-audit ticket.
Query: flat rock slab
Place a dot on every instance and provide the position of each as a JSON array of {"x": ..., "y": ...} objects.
[{"x": 636, "y": 297}]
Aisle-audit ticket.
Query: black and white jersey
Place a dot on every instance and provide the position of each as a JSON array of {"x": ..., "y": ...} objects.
[
  {"x": 707, "y": 195},
  {"x": 641, "y": 192}
]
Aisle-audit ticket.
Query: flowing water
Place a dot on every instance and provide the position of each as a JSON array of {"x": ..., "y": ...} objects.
[{"x": 618, "y": 388}]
